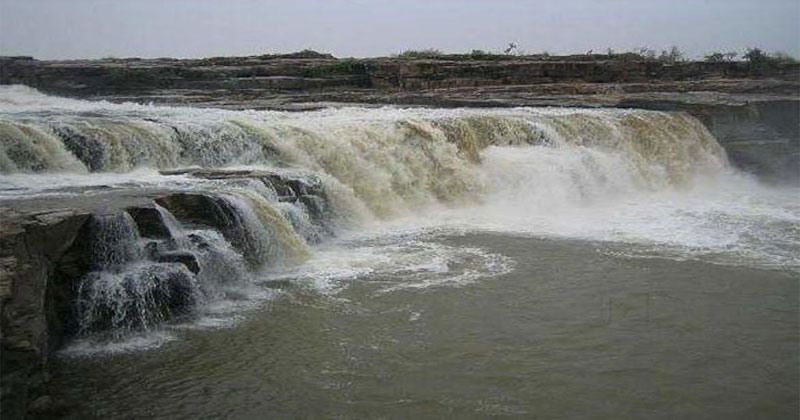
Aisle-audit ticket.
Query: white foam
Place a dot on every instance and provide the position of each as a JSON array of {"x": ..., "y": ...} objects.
[
  {"x": 656, "y": 183},
  {"x": 395, "y": 263},
  {"x": 725, "y": 217},
  {"x": 95, "y": 346}
]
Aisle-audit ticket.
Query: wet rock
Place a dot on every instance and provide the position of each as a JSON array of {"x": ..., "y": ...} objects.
[
  {"x": 181, "y": 257},
  {"x": 134, "y": 299},
  {"x": 88, "y": 150},
  {"x": 195, "y": 209},
  {"x": 289, "y": 188},
  {"x": 153, "y": 248},
  {"x": 215, "y": 212},
  {"x": 150, "y": 222}
]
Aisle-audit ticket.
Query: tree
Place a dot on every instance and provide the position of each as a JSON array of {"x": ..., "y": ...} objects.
[
  {"x": 755, "y": 57},
  {"x": 721, "y": 57},
  {"x": 673, "y": 55},
  {"x": 782, "y": 58},
  {"x": 645, "y": 52}
]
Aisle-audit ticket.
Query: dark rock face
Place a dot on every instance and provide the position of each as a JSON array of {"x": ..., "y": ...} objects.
[
  {"x": 764, "y": 139},
  {"x": 149, "y": 221},
  {"x": 28, "y": 302},
  {"x": 761, "y": 137},
  {"x": 260, "y": 75}
]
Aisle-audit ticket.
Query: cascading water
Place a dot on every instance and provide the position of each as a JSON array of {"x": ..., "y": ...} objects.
[
  {"x": 375, "y": 178},
  {"x": 136, "y": 283},
  {"x": 124, "y": 291}
]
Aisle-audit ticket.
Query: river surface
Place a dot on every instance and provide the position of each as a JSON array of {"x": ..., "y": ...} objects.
[
  {"x": 433, "y": 264},
  {"x": 573, "y": 330}
]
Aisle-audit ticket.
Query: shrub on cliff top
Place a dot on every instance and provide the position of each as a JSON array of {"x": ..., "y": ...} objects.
[
  {"x": 721, "y": 57},
  {"x": 307, "y": 53},
  {"x": 758, "y": 59},
  {"x": 672, "y": 55},
  {"x": 426, "y": 53}
]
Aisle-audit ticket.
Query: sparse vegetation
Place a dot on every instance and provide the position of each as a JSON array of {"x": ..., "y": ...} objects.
[
  {"x": 646, "y": 53},
  {"x": 426, "y": 53},
  {"x": 757, "y": 59},
  {"x": 783, "y": 58},
  {"x": 672, "y": 55},
  {"x": 755, "y": 56},
  {"x": 721, "y": 57},
  {"x": 479, "y": 54},
  {"x": 307, "y": 53},
  {"x": 486, "y": 55}
]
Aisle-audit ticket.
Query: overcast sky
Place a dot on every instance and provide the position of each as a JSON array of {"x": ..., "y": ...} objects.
[{"x": 202, "y": 28}]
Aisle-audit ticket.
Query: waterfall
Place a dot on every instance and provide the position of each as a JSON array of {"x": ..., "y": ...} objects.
[
  {"x": 250, "y": 192},
  {"x": 390, "y": 161},
  {"x": 135, "y": 283},
  {"x": 123, "y": 291}
]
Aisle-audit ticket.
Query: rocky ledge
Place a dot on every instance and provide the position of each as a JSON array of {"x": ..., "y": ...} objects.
[
  {"x": 45, "y": 252},
  {"x": 753, "y": 110}
]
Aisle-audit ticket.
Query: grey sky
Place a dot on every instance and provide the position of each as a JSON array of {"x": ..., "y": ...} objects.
[{"x": 200, "y": 28}]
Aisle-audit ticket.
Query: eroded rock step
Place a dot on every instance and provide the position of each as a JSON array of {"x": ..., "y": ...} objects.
[{"x": 166, "y": 252}]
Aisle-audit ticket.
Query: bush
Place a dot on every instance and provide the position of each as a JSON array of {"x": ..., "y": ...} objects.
[
  {"x": 721, "y": 57},
  {"x": 757, "y": 59},
  {"x": 480, "y": 55},
  {"x": 672, "y": 55},
  {"x": 307, "y": 53},
  {"x": 780, "y": 57},
  {"x": 426, "y": 53},
  {"x": 755, "y": 56},
  {"x": 645, "y": 53}
]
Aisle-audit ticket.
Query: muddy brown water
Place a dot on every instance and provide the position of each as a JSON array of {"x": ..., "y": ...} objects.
[{"x": 573, "y": 331}]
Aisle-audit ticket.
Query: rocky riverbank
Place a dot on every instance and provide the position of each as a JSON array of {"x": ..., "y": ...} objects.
[
  {"x": 753, "y": 111},
  {"x": 47, "y": 243},
  {"x": 290, "y": 81}
]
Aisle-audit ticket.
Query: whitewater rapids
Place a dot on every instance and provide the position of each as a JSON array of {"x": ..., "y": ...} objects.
[{"x": 642, "y": 184}]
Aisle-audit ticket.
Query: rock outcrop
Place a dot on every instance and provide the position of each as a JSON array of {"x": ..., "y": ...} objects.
[
  {"x": 48, "y": 258},
  {"x": 751, "y": 110},
  {"x": 242, "y": 77},
  {"x": 30, "y": 300}
]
